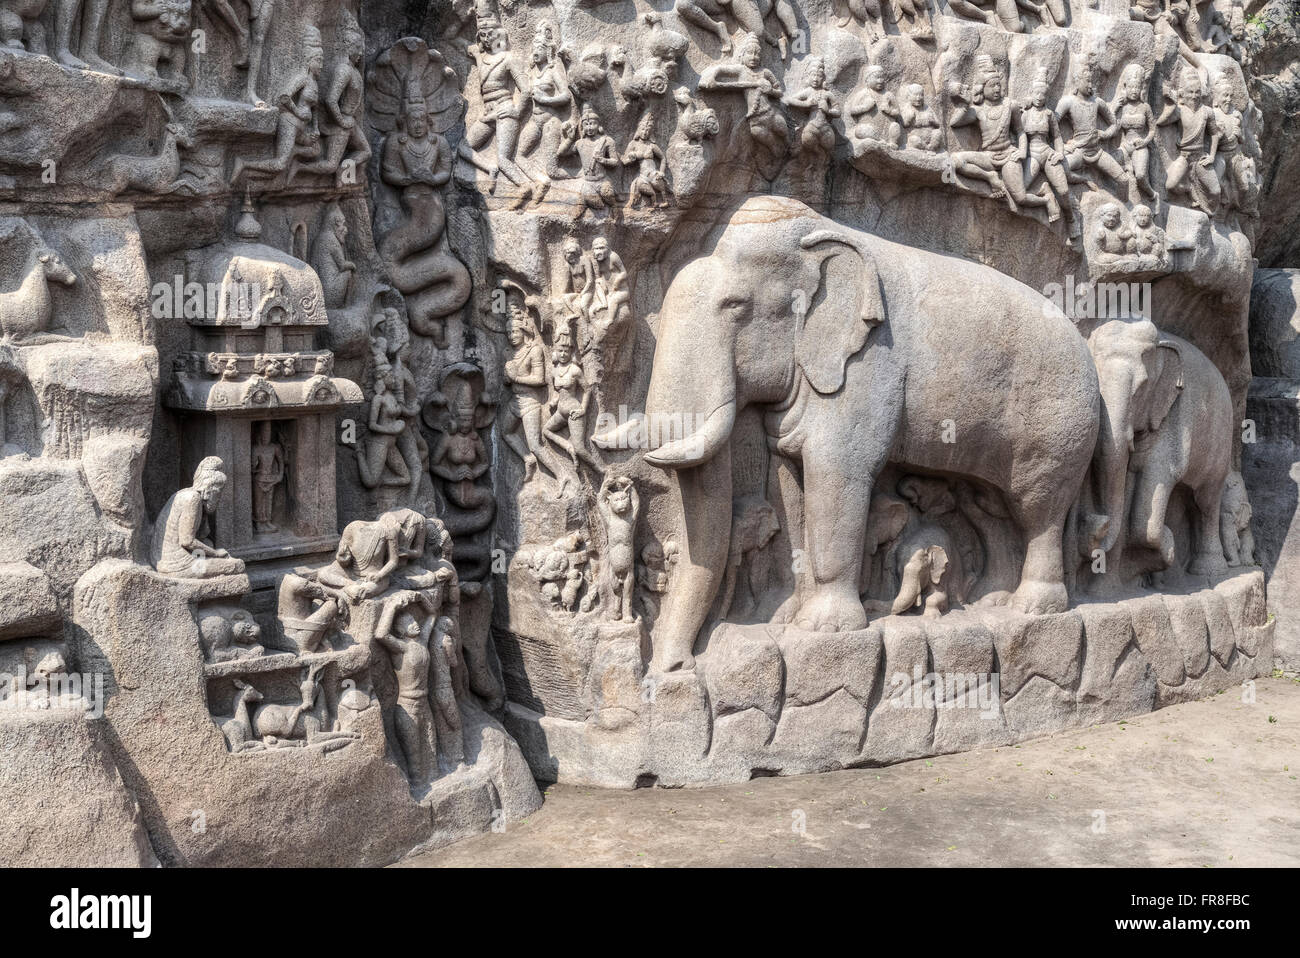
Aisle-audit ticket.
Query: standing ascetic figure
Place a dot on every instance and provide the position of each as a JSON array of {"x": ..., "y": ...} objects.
[
  {"x": 844, "y": 399},
  {"x": 181, "y": 545}
]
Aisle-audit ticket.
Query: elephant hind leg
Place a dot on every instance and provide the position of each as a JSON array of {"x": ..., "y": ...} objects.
[
  {"x": 1208, "y": 559},
  {"x": 1042, "y": 578}
]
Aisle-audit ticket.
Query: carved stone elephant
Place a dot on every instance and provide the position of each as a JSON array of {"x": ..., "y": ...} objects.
[
  {"x": 862, "y": 351},
  {"x": 1166, "y": 421},
  {"x": 929, "y": 571}
]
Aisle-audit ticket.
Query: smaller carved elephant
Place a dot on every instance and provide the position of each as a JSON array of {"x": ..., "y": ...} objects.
[{"x": 929, "y": 572}]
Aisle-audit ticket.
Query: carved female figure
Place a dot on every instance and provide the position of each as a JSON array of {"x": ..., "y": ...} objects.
[
  {"x": 1138, "y": 127},
  {"x": 570, "y": 403},
  {"x": 651, "y": 183},
  {"x": 548, "y": 88},
  {"x": 380, "y": 462},
  {"x": 1040, "y": 136}
]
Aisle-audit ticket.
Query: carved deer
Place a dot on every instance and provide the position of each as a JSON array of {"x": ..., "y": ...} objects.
[
  {"x": 26, "y": 311},
  {"x": 149, "y": 174},
  {"x": 238, "y": 728},
  {"x": 306, "y": 723}
]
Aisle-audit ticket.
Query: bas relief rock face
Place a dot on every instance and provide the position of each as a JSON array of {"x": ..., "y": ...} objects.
[{"x": 612, "y": 396}]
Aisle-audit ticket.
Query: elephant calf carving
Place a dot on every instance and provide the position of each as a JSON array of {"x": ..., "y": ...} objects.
[
  {"x": 929, "y": 572},
  {"x": 1166, "y": 421},
  {"x": 861, "y": 351}
]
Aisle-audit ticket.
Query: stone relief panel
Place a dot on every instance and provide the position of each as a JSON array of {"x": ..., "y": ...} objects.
[{"x": 474, "y": 391}]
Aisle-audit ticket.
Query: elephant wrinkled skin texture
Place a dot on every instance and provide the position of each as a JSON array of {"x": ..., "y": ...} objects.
[{"x": 862, "y": 351}]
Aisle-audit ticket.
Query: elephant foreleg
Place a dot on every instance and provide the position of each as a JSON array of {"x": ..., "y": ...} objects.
[
  {"x": 1150, "y": 503},
  {"x": 835, "y": 508}
]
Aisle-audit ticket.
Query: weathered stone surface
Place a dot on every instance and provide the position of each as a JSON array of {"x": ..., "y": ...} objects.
[
  {"x": 1117, "y": 680},
  {"x": 96, "y": 822},
  {"x": 744, "y": 671}
]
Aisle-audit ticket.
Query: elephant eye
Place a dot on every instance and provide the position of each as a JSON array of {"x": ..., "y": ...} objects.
[{"x": 734, "y": 305}]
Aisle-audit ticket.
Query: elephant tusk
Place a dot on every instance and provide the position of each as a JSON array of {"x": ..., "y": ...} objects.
[{"x": 699, "y": 446}]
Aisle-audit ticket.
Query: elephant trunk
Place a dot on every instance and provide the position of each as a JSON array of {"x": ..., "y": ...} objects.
[
  {"x": 1114, "y": 445},
  {"x": 706, "y": 507},
  {"x": 691, "y": 403}
]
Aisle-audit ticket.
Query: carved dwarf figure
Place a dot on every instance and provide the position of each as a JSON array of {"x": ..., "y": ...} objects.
[
  {"x": 920, "y": 122},
  {"x": 874, "y": 111}
]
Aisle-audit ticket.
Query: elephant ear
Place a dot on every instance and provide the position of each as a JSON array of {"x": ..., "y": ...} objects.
[
  {"x": 843, "y": 311},
  {"x": 1167, "y": 386}
]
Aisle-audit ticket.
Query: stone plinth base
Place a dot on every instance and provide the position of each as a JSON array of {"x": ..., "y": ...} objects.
[{"x": 774, "y": 700}]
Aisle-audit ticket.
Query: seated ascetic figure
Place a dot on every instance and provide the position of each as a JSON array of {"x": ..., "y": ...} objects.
[{"x": 182, "y": 538}]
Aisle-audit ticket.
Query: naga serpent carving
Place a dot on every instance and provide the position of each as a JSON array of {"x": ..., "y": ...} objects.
[{"x": 421, "y": 266}]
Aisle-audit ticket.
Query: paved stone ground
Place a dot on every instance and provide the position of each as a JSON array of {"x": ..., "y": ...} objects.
[{"x": 1208, "y": 783}]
